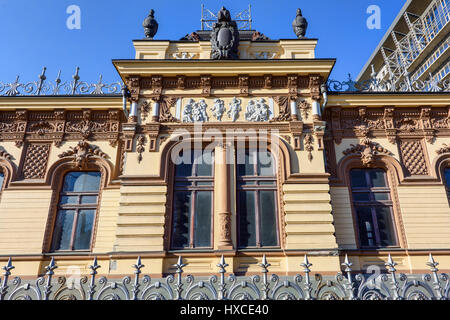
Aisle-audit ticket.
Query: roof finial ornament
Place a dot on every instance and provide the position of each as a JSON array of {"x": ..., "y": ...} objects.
[
  {"x": 224, "y": 37},
  {"x": 150, "y": 25},
  {"x": 300, "y": 25}
]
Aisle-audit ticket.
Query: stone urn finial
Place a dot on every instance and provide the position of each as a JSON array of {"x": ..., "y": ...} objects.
[
  {"x": 300, "y": 25},
  {"x": 150, "y": 25}
]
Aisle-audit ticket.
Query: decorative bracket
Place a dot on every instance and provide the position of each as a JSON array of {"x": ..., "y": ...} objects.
[{"x": 82, "y": 152}]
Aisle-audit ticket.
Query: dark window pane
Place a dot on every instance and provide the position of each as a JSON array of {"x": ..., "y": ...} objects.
[
  {"x": 202, "y": 227},
  {"x": 204, "y": 165},
  {"x": 82, "y": 181},
  {"x": 63, "y": 230},
  {"x": 366, "y": 228},
  {"x": 267, "y": 183},
  {"x": 265, "y": 164},
  {"x": 181, "y": 218},
  {"x": 185, "y": 167},
  {"x": 247, "y": 221},
  {"x": 381, "y": 196},
  {"x": 377, "y": 178},
  {"x": 359, "y": 196},
  {"x": 358, "y": 178},
  {"x": 183, "y": 184},
  {"x": 69, "y": 200},
  {"x": 83, "y": 231},
  {"x": 268, "y": 222},
  {"x": 385, "y": 226},
  {"x": 447, "y": 177},
  {"x": 88, "y": 199},
  {"x": 248, "y": 167},
  {"x": 205, "y": 183}
]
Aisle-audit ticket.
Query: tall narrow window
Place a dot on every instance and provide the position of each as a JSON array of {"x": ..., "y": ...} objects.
[
  {"x": 257, "y": 201},
  {"x": 447, "y": 181},
  {"x": 77, "y": 208},
  {"x": 2, "y": 178},
  {"x": 193, "y": 202},
  {"x": 372, "y": 203}
]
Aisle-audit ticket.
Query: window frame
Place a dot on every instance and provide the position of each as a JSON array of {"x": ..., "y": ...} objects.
[
  {"x": 446, "y": 181},
  {"x": 257, "y": 188},
  {"x": 57, "y": 208},
  {"x": 372, "y": 204},
  {"x": 194, "y": 190}
]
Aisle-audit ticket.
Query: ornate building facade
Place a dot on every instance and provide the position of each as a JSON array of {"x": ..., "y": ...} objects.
[{"x": 276, "y": 165}]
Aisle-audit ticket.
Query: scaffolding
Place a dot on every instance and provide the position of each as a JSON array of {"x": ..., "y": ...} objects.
[
  {"x": 422, "y": 30},
  {"x": 243, "y": 19}
]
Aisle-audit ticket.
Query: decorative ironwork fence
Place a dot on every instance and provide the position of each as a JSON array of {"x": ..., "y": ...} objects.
[
  {"x": 43, "y": 87},
  {"x": 77, "y": 87},
  {"x": 344, "y": 286},
  {"x": 375, "y": 85}
]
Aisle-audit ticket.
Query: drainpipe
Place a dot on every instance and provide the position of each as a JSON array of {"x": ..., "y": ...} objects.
[
  {"x": 125, "y": 96},
  {"x": 324, "y": 91}
]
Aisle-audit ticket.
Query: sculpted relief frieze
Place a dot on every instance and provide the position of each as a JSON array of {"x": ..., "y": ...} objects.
[
  {"x": 59, "y": 125},
  {"x": 256, "y": 110},
  {"x": 389, "y": 122}
]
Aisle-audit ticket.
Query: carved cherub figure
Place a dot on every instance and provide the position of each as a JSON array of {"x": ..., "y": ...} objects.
[
  {"x": 235, "y": 108},
  {"x": 199, "y": 112},
  {"x": 250, "y": 111},
  {"x": 187, "y": 111},
  {"x": 218, "y": 109}
]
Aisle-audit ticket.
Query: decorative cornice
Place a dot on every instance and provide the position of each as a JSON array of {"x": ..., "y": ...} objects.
[
  {"x": 368, "y": 151},
  {"x": 82, "y": 152},
  {"x": 5, "y": 155},
  {"x": 445, "y": 149}
]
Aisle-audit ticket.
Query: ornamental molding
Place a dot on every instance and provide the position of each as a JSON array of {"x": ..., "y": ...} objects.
[
  {"x": 305, "y": 109},
  {"x": 164, "y": 110},
  {"x": 60, "y": 125},
  {"x": 4, "y": 154},
  {"x": 82, "y": 153},
  {"x": 225, "y": 82},
  {"x": 284, "y": 108},
  {"x": 389, "y": 122},
  {"x": 445, "y": 149},
  {"x": 368, "y": 151}
]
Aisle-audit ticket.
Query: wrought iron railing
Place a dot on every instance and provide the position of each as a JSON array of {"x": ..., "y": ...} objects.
[
  {"x": 375, "y": 85},
  {"x": 344, "y": 286},
  {"x": 59, "y": 87}
]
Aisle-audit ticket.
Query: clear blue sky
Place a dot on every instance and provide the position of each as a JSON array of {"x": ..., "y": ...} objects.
[{"x": 34, "y": 32}]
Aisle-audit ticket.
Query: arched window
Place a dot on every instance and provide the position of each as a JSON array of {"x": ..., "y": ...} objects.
[
  {"x": 192, "y": 210},
  {"x": 447, "y": 181},
  {"x": 257, "y": 200},
  {"x": 2, "y": 179},
  {"x": 373, "y": 206},
  {"x": 77, "y": 208}
]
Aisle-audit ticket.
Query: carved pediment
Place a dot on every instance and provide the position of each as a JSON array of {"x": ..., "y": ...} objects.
[
  {"x": 224, "y": 37},
  {"x": 445, "y": 149},
  {"x": 82, "y": 152},
  {"x": 368, "y": 151},
  {"x": 4, "y": 154}
]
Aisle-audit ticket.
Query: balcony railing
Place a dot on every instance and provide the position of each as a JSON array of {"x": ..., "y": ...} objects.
[
  {"x": 432, "y": 84},
  {"x": 389, "y": 285},
  {"x": 59, "y": 87}
]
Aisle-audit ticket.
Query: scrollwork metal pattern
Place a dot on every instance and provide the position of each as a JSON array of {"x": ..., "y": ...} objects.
[
  {"x": 59, "y": 87},
  {"x": 344, "y": 286}
]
